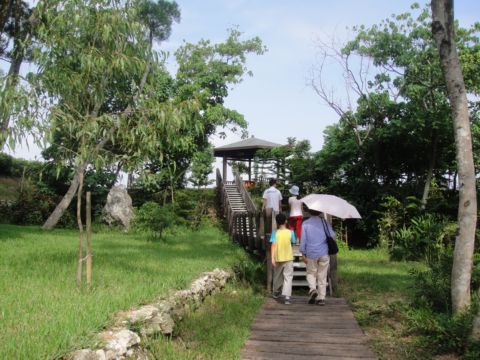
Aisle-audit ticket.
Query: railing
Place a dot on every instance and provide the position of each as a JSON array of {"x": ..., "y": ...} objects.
[{"x": 252, "y": 228}]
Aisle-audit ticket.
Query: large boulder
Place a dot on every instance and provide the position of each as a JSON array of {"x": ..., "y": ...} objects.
[{"x": 118, "y": 208}]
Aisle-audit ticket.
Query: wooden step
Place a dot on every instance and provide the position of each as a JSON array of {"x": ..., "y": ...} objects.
[
  {"x": 300, "y": 273},
  {"x": 299, "y": 283}
]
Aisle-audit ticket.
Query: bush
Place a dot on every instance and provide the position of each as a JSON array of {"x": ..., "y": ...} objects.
[
  {"x": 443, "y": 333},
  {"x": 32, "y": 208},
  {"x": 424, "y": 238},
  {"x": 155, "y": 219},
  {"x": 6, "y": 162},
  {"x": 6, "y": 211},
  {"x": 195, "y": 207},
  {"x": 251, "y": 271},
  {"x": 431, "y": 287},
  {"x": 431, "y": 314}
]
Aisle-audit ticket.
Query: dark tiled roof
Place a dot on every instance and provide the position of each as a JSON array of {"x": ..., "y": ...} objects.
[{"x": 243, "y": 150}]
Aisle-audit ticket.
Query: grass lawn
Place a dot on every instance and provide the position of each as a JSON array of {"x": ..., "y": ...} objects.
[
  {"x": 217, "y": 330},
  {"x": 42, "y": 315},
  {"x": 377, "y": 289}
]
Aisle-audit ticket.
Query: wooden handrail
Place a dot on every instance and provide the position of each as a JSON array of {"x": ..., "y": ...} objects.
[
  {"x": 252, "y": 229},
  {"x": 245, "y": 194}
]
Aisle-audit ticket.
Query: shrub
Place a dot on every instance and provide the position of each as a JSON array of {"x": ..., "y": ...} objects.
[
  {"x": 195, "y": 207},
  {"x": 250, "y": 271},
  {"x": 6, "y": 162},
  {"x": 154, "y": 218},
  {"x": 425, "y": 238},
  {"x": 442, "y": 333},
  {"x": 431, "y": 287},
  {"x": 32, "y": 207},
  {"x": 6, "y": 211}
]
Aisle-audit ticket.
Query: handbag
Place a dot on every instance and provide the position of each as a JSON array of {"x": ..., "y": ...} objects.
[{"x": 332, "y": 244}]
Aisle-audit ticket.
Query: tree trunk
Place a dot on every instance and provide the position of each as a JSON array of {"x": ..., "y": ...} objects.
[
  {"x": 66, "y": 200},
  {"x": 431, "y": 166},
  {"x": 443, "y": 33}
]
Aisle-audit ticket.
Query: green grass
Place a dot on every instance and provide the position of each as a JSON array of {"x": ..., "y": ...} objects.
[
  {"x": 217, "y": 330},
  {"x": 378, "y": 291},
  {"x": 42, "y": 315}
]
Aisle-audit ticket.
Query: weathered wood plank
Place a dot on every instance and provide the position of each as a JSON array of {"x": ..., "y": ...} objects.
[
  {"x": 295, "y": 336},
  {"x": 303, "y": 331},
  {"x": 252, "y": 355},
  {"x": 350, "y": 350}
]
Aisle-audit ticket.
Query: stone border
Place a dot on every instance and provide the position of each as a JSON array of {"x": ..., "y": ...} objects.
[{"x": 123, "y": 339}]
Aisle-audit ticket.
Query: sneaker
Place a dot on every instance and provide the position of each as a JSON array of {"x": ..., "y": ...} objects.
[
  {"x": 276, "y": 294},
  {"x": 320, "y": 302},
  {"x": 287, "y": 301},
  {"x": 312, "y": 295}
]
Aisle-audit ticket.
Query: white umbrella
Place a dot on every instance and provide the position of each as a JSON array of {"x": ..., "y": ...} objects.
[{"x": 332, "y": 205}]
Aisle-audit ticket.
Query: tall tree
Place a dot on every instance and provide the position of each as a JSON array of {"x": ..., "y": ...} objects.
[
  {"x": 401, "y": 103},
  {"x": 443, "y": 29},
  {"x": 16, "y": 20},
  {"x": 205, "y": 74},
  {"x": 104, "y": 86}
]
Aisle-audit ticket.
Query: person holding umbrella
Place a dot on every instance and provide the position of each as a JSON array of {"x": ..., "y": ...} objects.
[{"x": 314, "y": 248}]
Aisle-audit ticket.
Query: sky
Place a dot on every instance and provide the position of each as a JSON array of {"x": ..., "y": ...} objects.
[{"x": 276, "y": 101}]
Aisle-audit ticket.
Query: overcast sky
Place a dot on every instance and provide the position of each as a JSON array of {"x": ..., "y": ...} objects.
[{"x": 276, "y": 101}]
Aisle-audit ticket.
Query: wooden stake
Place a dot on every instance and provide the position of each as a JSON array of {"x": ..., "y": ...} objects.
[
  {"x": 80, "y": 229},
  {"x": 89, "y": 245}
]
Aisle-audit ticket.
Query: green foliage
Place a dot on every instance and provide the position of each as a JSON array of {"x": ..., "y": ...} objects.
[
  {"x": 294, "y": 163},
  {"x": 401, "y": 105},
  {"x": 390, "y": 221},
  {"x": 6, "y": 162},
  {"x": 217, "y": 330},
  {"x": 251, "y": 271},
  {"x": 13, "y": 167},
  {"x": 205, "y": 74},
  {"x": 442, "y": 333},
  {"x": 202, "y": 167},
  {"x": 32, "y": 208},
  {"x": 155, "y": 219},
  {"x": 425, "y": 238},
  {"x": 158, "y": 17},
  {"x": 431, "y": 288}
]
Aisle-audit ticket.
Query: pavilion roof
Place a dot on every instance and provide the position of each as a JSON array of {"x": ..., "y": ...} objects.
[{"x": 244, "y": 149}]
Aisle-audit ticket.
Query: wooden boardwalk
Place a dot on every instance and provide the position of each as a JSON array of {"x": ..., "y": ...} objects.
[{"x": 303, "y": 331}]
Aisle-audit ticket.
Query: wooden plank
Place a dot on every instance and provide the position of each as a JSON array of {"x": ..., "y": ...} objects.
[
  {"x": 312, "y": 310},
  {"x": 252, "y": 355},
  {"x": 304, "y": 300},
  {"x": 351, "y": 350},
  {"x": 338, "y": 331},
  {"x": 303, "y": 331},
  {"x": 305, "y": 316},
  {"x": 318, "y": 326},
  {"x": 306, "y": 336}
]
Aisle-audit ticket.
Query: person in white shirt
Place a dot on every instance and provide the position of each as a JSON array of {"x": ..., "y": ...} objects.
[
  {"x": 296, "y": 215},
  {"x": 272, "y": 197}
]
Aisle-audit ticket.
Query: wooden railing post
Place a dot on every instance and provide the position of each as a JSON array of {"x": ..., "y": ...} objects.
[
  {"x": 267, "y": 219},
  {"x": 333, "y": 273}
]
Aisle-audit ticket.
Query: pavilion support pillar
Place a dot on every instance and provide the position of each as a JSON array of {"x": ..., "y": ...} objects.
[
  {"x": 224, "y": 174},
  {"x": 249, "y": 169}
]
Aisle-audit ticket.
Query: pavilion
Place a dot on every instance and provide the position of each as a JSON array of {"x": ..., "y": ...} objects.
[{"x": 244, "y": 150}]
